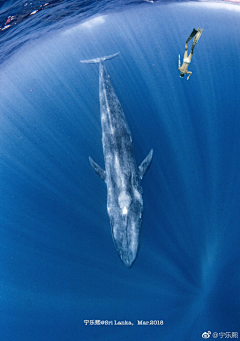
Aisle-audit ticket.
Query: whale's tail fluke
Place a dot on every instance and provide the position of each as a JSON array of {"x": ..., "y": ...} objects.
[{"x": 99, "y": 60}]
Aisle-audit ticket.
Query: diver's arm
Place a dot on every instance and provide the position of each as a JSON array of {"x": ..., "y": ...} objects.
[
  {"x": 189, "y": 74},
  {"x": 179, "y": 64}
]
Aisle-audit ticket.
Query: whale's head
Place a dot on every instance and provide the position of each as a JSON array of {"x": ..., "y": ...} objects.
[{"x": 126, "y": 220}]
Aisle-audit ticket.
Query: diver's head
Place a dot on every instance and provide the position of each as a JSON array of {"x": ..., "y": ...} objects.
[{"x": 181, "y": 74}]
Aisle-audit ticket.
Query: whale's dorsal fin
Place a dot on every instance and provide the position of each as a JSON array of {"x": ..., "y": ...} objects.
[
  {"x": 142, "y": 169},
  {"x": 100, "y": 172}
]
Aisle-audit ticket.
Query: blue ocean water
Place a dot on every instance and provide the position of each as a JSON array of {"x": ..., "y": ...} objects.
[{"x": 59, "y": 266}]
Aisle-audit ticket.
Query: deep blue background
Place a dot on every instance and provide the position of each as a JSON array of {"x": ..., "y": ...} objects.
[{"x": 58, "y": 262}]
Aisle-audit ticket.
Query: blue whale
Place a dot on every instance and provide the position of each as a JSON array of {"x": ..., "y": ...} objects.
[{"x": 121, "y": 175}]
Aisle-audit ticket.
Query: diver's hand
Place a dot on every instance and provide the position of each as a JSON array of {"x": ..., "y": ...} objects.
[{"x": 189, "y": 75}]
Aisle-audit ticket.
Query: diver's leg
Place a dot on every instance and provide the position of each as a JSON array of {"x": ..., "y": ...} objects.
[
  {"x": 192, "y": 35},
  {"x": 190, "y": 56},
  {"x": 186, "y": 51},
  {"x": 196, "y": 38}
]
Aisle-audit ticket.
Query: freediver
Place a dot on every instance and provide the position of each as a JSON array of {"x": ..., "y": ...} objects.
[{"x": 187, "y": 59}]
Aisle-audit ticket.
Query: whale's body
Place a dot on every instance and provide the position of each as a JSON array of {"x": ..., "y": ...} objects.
[{"x": 121, "y": 175}]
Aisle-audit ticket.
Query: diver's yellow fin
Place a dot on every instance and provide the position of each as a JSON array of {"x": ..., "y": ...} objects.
[{"x": 197, "y": 36}]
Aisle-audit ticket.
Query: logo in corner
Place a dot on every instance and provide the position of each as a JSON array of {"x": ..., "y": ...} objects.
[{"x": 206, "y": 335}]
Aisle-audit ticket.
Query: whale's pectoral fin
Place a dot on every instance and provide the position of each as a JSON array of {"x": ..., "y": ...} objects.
[
  {"x": 98, "y": 169},
  {"x": 142, "y": 169}
]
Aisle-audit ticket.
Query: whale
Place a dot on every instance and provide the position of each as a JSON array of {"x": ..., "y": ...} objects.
[{"x": 122, "y": 175}]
